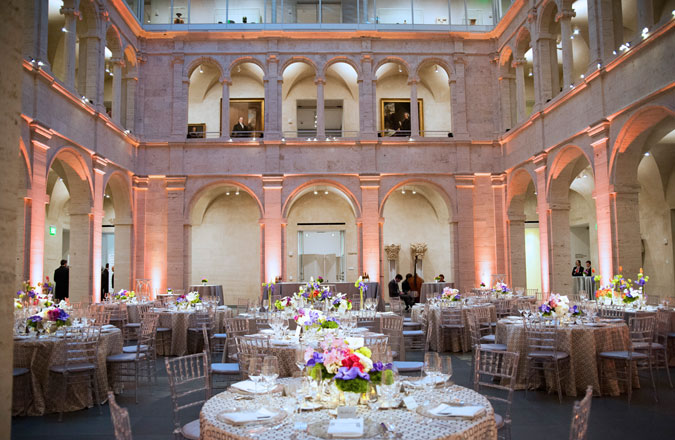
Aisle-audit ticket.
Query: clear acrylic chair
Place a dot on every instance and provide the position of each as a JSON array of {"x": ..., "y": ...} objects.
[
  {"x": 134, "y": 327},
  {"x": 80, "y": 347},
  {"x": 452, "y": 321},
  {"x": 660, "y": 346},
  {"x": 483, "y": 315},
  {"x": 99, "y": 315},
  {"x": 494, "y": 376},
  {"x": 190, "y": 386},
  {"x": 234, "y": 327},
  {"x": 612, "y": 312},
  {"x": 476, "y": 334},
  {"x": 580, "y": 416},
  {"x": 220, "y": 369},
  {"x": 543, "y": 352},
  {"x": 120, "y": 419}
]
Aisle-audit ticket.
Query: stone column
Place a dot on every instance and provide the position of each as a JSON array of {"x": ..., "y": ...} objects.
[
  {"x": 156, "y": 233},
  {"x": 603, "y": 199},
  {"x": 565, "y": 19},
  {"x": 35, "y": 29},
  {"x": 559, "y": 247},
  {"x": 272, "y": 222},
  {"x": 519, "y": 64},
  {"x": 465, "y": 233},
  {"x": 97, "y": 227},
  {"x": 175, "y": 246},
  {"x": 124, "y": 233},
  {"x": 274, "y": 126},
  {"x": 501, "y": 242},
  {"x": 80, "y": 273},
  {"x": 516, "y": 226},
  {"x": 605, "y": 25},
  {"x": 542, "y": 211},
  {"x": 458, "y": 100},
  {"x": 180, "y": 89},
  {"x": 225, "y": 111},
  {"x": 40, "y": 136},
  {"x": 505, "y": 85},
  {"x": 367, "y": 109},
  {"x": 320, "y": 117},
  {"x": 484, "y": 228},
  {"x": 71, "y": 16},
  {"x": 140, "y": 192},
  {"x": 117, "y": 90},
  {"x": 130, "y": 83},
  {"x": 95, "y": 57},
  {"x": 370, "y": 219},
  {"x": 645, "y": 14},
  {"x": 414, "y": 111},
  {"x": 546, "y": 68},
  {"x": 626, "y": 222},
  {"x": 417, "y": 252}
]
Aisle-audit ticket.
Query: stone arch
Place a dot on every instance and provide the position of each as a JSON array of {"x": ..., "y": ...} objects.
[
  {"x": 517, "y": 183},
  {"x": 113, "y": 41},
  {"x": 440, "y": 191},
  {"x": 547, "y": 15},
  {"x": 130, "y": 60},
  {"x": 120, "y": 190},
  {"x": 395, "y": 60},
  {"x": 517, "y": 190},
  {"x": 243, "y": 60},
  {"x": 299, "y": 59},
  {"x": 523, "y": 42},
  {"x": 77, "y": 170},
  {"x": 198, "y": 202},
  {"x": 563, "y": 168},
  {"x": 434, "y": 60},
  {"x": 120, "y": 186},
  {"x": 504, "y": 57},
  {"x": 306, "y": 187},
  {"x": 28, "y": 169},
  {"x": 342, "y": 59},
  {"x": 194, "y": 64}
]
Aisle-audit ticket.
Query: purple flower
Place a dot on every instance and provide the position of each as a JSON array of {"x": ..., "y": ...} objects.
[
  {"x": 379, "y": 366},
  {"x": 36, "y": 318},
  {"x": 317, "y": 358},
  {"x": 345, "y": 373},
  {"x": 63, "y": 316},
  {"x": 545, "y": 308}
]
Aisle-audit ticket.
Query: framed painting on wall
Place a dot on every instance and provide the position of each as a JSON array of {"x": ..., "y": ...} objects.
[
  {"x": 253, "y": 112},
  {"x": 393, "y": 120},
  {"x": 196, "y": 131}
]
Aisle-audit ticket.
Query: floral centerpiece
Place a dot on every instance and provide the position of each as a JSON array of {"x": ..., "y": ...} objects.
[
  {"x": 631, "y": 296},
  {"x": 124, "y": 296},
  {"x": 189, "y": 299},
  {"x": 361, "y": 284},
  {"x": 47, "y": 286},
  {"x": 437, "y": 279},
  {"x": 313, "y": 291},
  {"x": 622, "y": 290},
  {"x": 501, "y": 288},
  {"x": 269, "y": 288},
  {"x": 18, "y": 304},
  {"x": 575, "y": 310},
  {"x": 283, "y": 303},
  {"x": 27, "y": 295},
  {"x": 205, "y": 281},
  {"x": 450, "y": 294},
  {"x": 49, "y": 318},
  {"x": 556, "y": 305},
  {"x": 315, "y": 319},
  {"x": 482, "y": 285},
  {"x": 319, "y": 279},
  {"x": 340, "y": 303},
  {"x": 349, "y": 363}
]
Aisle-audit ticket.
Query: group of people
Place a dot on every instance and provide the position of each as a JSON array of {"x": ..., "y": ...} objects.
[
  {"x": 62, "y": 280},
  {"x": 411, "y": 283},
  {"x": 580, "y": 271}
]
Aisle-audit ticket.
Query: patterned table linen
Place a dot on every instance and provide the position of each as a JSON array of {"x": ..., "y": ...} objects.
[{"x": 451, "y": 341}]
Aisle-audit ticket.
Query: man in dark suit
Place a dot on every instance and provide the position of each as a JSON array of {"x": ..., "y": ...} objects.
[
  {"x": 394, "y": 292},
  {"x": 61, "y": 279},
  {"x": 105, "y": 275},
  {"x": 240, "y": 129},
  {"x": 404, "y": 127}
]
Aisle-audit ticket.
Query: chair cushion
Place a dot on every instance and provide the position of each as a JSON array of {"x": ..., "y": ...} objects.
[
  {"x": 622, "y": 355},
  {"x": 496, "y": 347},
  {"x": 124, "y": 357},
  {"x": 488, "y": 338},
  {"x": 222, "y": 368},
  {"x": 671, "y": 335},
  {"x": 133, "y": 325},
  {"x": 77, "y": 368},
  {"x": 548, "y": 354},
  {"x": 645, "y": 346},
  {"x": 411, "y": 324},
  {"x": 413, "y": 332},
  {"x": 191, "y": 430},
  {"x": 133, "y": 348},
  {"x": 220, "y": 336},
  {"x": 20, "y": 371},
  {"x": 405, "y": 366},
  {"x": 163, "y": 329},
  {"x": 499, "y": 420}
]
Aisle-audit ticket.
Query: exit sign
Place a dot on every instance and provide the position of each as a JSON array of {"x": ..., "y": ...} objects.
[{"x": 52, "y": 230}]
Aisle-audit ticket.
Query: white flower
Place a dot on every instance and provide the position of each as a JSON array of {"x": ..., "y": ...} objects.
[{"x": 365, "y": 361}]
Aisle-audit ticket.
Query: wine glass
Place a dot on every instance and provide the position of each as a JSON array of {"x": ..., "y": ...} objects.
[
  {"x": 300, "y": 357},
  {"x": 255, "y": 364},
  {"x": 291, "y": 404},
  {"x": 270, "y": 370},
  {"x": 254, "y": 306},
  {"x": 431, "y": 366},
  {"x": 373, "y": 400},
  {"x": 445, "y": 368}
]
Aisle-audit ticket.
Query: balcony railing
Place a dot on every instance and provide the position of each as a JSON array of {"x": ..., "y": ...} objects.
[
  {"x": 429, "y": 15},
  {"x": 312, "y": 136}
]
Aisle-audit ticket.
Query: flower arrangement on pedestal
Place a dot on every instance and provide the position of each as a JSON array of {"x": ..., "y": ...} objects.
[
  {"x": 350, "y": 364},
  {"x": 450, "y": 294},
  {"x": 501, "y": 288},
  {"x": 189, "y": 299},
  {"x": 125, "y": 296},
  {"x": 556, "y": 305}
]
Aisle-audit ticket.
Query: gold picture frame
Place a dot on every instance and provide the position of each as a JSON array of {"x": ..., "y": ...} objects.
[
  {"x": 251, "y": 109},
  {"x": 395, "y": 108}
]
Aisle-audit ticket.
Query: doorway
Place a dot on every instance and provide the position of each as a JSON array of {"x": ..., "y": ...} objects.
[{"x": 321, "y": 254}]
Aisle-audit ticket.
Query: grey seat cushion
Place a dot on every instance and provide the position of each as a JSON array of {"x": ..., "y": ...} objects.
[
  {"x": 222, "y": 368},
  {"x": 124, "y": 357},
  {"x": 191, "y": 430},
  {"x": 405, "y": 366},
  {"x": 76, "y": 368}
]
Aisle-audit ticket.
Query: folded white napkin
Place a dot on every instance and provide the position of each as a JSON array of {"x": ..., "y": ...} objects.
[
  {"x": 248, "y": 416},
  {"x": 107, "y": 327},
  {"x": 456, "y": 411},
  {"x": 250, "y": 387},
  {"x": 355, "y": 343},
  {"x": 281, "y": 342},
  {"x": 267, "y": 331},
  {"x": 346, "y": 427}
]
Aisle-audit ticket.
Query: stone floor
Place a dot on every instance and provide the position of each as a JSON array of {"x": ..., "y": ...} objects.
[{"x": 536, "y": 415}]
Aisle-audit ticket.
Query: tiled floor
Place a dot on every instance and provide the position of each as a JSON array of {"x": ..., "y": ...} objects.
[{"x": 536, "y": 415}]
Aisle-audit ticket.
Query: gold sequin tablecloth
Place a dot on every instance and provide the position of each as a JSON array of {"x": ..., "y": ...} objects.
[
  {"x": 583, "y": 343},
  {"x": 47, "y": 393},
  {"x": 448, "y": 340},
  {"x": 409, "y": 424}
]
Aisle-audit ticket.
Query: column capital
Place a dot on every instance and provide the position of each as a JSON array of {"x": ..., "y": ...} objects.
[
  {"x": 565, "y": 14},
  {"x": 599, "y": 128},
  {"x": 140, "y": 182},
  {"x": 464, "y": 180},
  {"x": 99, "y": 163},
  {"x": 116, "y": 60},
  {"x": 272, "y": 181},
  {"x": 69, "y": 11},
  {"x": 226, "y": 82},
  {"x": 272, "y": 58},
  {"x": 459, "y": 58},
  {"x": 392, "y": 251},
  {"x": 539, "y": 160},
  {"x": 513, "y": 218},
  {"x": 177, "y": 58},
  {"x": 532, "y": 15},
  {"x": 370, "y": 180},
  {"x": 498, "y": 179},
  {"x": 40, "y": 133},
  {"x": 175, "y": 183},
  {"x": 518, "y": 62},
  {"x": 413, "y": 81},
  {"x": 624, "y": 189},
  {"x": 320, "y": 81}
]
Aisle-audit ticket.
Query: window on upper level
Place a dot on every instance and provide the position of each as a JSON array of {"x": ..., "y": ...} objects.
[{"x": 460, "y": 15}]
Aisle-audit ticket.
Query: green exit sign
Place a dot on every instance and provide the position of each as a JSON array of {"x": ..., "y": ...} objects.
[{"x": 52, "y": 230}]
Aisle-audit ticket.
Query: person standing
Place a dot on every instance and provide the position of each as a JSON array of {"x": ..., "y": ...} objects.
[
  {"x": 105, "y": 276},
  {"x": 578, "y": 270},
  {"x": 61, "y": 278},
  {"x": 589, "y": 270}
]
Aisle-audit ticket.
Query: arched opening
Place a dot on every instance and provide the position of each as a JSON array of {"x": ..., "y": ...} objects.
[
  {"x": 129, "y": 83},
  {"x": 247, "y": 100},
  {"x": 68, "y": 224},
  {"x": 434, "y": 91},
  {"x": 341, "y": 105},
  {"x": 56, "y": 39},
  {"x": 117, "y": 232},
  {"x": 524, "y": 63},
  {"x": 392, "y": 93},
  {"x": 225, "y": 240},
  {"x": 551, "y": 59},
  {"x": 523, "y": 230},
  {"x": 572, "y": 213},
  {"x": 112, "y": 75},
  {"x": 299, "y": 116},
  {"x": 580, "y": 39},
  {"x": 204, "y": 97},
  {"x": 321, "y": 235},
  {"x": 417, "y": 212},
  {"x": 507, "y": 89}
]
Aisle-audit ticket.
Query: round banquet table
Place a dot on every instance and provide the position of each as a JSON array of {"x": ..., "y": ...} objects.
[
  {"x": 47, "y": 394},
  {"x": 205, "y": 290},
  {"x": 179, "y": 321},
  {"x": 409, "y": 424},
  {"x": 132, "y": 309},
  {"x": 582, "y": 342},
  {"x": 453, "y": 343}
]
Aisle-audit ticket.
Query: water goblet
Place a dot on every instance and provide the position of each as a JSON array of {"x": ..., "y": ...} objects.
[
  {"x": 270, "y": 370},
  {"x": 255, "y": 364}
]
